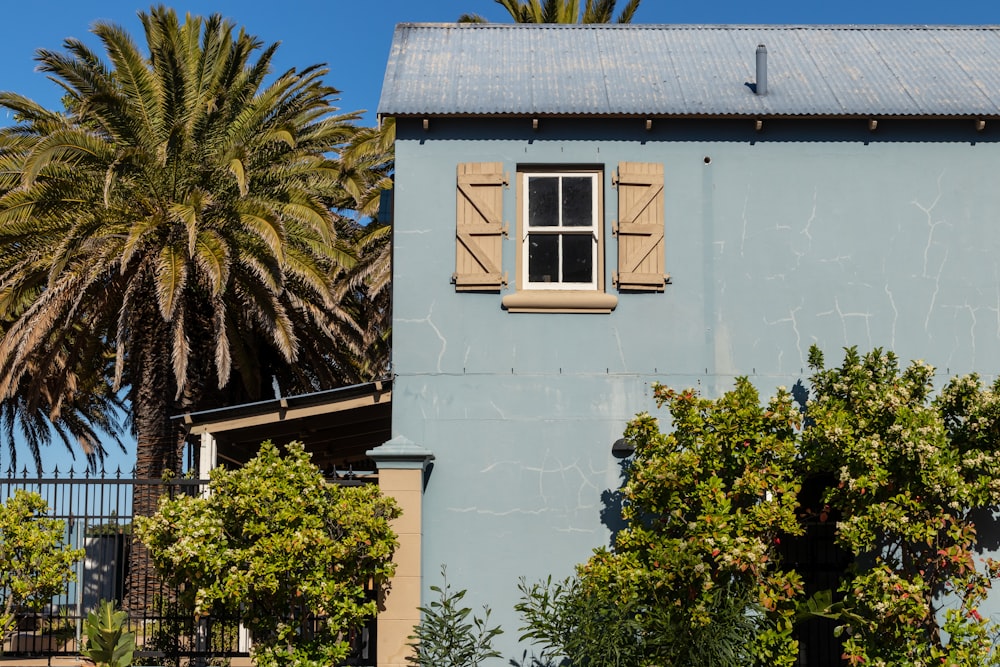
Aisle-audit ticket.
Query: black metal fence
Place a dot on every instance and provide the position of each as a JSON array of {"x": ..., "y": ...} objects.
[{"x": 97, "y": 513}]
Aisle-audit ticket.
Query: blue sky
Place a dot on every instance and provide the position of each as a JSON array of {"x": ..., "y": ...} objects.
[{"x": 353, "y": 39}]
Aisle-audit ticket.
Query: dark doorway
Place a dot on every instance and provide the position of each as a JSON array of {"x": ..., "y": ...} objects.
[{"x": 816, "y": 556}]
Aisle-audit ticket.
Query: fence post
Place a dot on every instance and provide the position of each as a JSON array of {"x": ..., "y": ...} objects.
[{"x": 201, "y": 643}]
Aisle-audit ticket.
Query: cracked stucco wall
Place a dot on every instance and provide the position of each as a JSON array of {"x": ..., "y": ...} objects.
[{"x": 808, "y": 232}]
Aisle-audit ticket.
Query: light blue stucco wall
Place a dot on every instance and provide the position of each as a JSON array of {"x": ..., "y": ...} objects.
[{"x": 807, "y": 232}]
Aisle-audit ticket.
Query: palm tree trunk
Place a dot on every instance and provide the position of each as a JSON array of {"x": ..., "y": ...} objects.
[{"x": 158, "y": 452}]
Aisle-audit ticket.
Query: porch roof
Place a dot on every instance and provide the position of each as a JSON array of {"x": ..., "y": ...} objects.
[{"x": 337, "y": 426}]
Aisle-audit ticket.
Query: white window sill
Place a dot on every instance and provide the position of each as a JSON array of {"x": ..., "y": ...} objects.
[{"x": 559, "y": 301}]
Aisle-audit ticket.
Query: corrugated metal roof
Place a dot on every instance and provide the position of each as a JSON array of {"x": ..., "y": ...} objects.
[{"x": 474, "y": 69}]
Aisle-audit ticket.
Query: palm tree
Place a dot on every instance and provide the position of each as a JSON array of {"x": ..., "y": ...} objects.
[
  {"x": 74, "y": 405},
  {"x": 561, "y": 11},
  {"x": 366, "y": 164},
  {"x": 180, "y": 212}
]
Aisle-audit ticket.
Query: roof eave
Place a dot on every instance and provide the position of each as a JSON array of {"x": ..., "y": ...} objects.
[{"x": 684, "y": 116}]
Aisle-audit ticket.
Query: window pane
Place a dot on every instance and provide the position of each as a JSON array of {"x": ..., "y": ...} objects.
[
  {"x": 543, "y": 201},
  {"x": 543, "y": 258},
  {"x": 577, "y": 201},
  {"x": 578, "y": 258}
]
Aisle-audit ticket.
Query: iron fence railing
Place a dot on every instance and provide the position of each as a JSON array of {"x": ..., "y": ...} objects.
[{"x": 97, "y": 512}]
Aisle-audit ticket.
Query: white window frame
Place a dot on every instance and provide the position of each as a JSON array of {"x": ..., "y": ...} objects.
[
  {"x": 557, "y": 297},
  {"x": 592, "y": 231}
]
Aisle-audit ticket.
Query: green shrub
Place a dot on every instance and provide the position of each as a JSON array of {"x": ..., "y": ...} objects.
[
  {"x": 697, "y": 578},
  {"x": 35, "y": 564},
  {"x": 276, "y": 544},
  {"x": 447, "y": 637},
  {"x": 590, "y": 626}
]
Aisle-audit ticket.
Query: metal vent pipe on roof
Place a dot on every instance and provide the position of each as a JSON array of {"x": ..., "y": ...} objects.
[{"x": 761, "y": 88}]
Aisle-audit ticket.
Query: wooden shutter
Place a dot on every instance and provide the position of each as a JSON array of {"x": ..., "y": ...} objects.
[
  {"x": 640, "y": 227},
  {"x": 479, "y": 228}
]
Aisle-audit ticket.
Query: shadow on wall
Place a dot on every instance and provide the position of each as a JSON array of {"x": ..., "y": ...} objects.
[
  {"x": 700, "y": 130},
  {"x": 987, "y": 523},
  {"x": 800, "y": 395},
  {"x": 427, "y": 474},
  {"x": 611, "y": 513}
]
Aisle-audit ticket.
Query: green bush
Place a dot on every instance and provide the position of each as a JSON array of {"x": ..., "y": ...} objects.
[
  {"x": 275, "y": 544},
  {"x": 590, "y": 626},
  {"x": 697, "y": 576},
  {"x": 35, "y": 564}
]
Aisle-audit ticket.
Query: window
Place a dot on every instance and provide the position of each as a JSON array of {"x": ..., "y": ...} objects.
[
  {"x": 561, "y": 235},
  {"x": 560, "y": 231},
  {"x": 560, "y": 263}
]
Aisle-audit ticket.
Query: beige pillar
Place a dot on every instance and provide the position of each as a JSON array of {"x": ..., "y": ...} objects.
[{"x": 401, "y": 464}]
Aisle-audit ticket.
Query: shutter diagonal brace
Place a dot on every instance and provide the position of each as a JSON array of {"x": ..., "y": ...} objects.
[
  {"x": 653, "y": 188},
  {"x": 465, "y": 236},
  {"x": 627, "y": 225},
  {"x": 653, "y": 234},
  {"x": 485, "y": 209}
]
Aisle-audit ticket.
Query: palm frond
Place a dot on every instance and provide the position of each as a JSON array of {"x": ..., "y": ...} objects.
[
  {"x": 628, "y": 12},
  {"x": 189, "y": 207}
]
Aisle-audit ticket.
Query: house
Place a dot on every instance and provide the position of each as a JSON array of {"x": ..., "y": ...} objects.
[{"x": 583, "y": 210}]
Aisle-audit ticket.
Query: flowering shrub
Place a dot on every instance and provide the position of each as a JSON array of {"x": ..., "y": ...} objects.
[
  {"x": 288, "y": 551},
  {"x": 699, "y": 574},
  {"x": 911, "y": 470},
  {"x": 706, "y": 506}
]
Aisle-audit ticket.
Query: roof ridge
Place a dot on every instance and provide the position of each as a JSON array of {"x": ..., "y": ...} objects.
[{"x": 705, "y": 26}]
